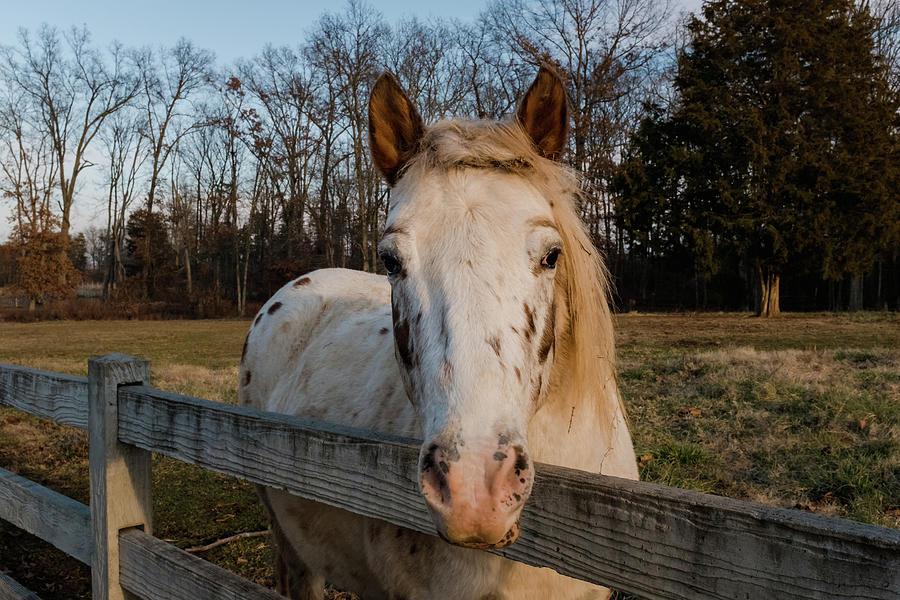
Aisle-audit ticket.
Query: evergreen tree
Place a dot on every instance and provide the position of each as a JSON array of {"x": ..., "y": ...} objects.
[{"x": 780, "y": 143}]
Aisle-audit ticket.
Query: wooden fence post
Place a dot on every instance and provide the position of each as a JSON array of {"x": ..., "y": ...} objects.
[{"x": 120, "y": 474}]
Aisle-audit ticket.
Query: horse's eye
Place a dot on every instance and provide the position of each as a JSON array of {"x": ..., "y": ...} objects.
[
  {"x": 391, "y": 263},
  {"x": 549, "y": 261}
]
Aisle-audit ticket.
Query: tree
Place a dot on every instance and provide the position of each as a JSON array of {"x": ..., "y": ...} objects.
[
  {"x": 346, "y": 47},
  {"x": 168, "y": 79},
  {"x": 779, "y": 144},
  {"x": 126, "y": 149},
  {"x": 147, "y": 230},
  {"x": 68, "y": 95},
  {"x": 609, "y": 52},
  {"x": 45, "y": 268}
]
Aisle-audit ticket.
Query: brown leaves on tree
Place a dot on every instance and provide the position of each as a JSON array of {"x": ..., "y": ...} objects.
[{"x": 44, "y": 267}]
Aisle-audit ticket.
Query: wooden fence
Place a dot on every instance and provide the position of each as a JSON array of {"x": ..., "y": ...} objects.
[{"x": 650, "y": 540}]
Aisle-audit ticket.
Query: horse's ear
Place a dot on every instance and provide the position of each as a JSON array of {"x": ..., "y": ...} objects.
[
  {"x": 544, "y": 113},
  {"x": 395, "y": 127}
]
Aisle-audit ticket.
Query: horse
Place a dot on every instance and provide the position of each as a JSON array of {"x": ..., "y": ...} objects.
[{"x": 490, "y": 338}]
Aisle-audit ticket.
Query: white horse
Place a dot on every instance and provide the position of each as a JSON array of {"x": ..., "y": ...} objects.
[{"x": 501, "y": 355}]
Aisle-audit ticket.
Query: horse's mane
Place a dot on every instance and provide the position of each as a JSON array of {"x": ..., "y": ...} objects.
[{"x": 460, "y": 144}]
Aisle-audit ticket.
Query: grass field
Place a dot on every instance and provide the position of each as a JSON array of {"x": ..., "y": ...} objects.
[{"x": 802, "y": 411}]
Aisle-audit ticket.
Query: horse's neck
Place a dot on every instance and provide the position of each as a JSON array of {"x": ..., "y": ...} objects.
[{"x": 584, "y": 430}]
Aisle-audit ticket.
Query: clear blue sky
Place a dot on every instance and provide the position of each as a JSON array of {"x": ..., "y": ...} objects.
[{"x": 232, "y": 29}]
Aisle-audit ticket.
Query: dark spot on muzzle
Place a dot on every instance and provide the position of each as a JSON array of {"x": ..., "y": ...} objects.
[{"x": 521, "y": 459}]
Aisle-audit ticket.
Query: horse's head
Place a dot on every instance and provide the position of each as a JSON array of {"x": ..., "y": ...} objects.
[{"x": 474, "y": 255}]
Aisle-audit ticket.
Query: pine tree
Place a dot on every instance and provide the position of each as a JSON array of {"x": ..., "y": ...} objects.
[{"x": 781, "y": 138}]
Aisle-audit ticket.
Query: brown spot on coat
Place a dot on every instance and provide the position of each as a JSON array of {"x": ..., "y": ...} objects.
[
  {"x": 258, "y": 319},
  {"x": 247, "y": 376},
  {"x": 274, "y": 307},
  {"x": 529, "y": 322},
  {"x": 548, "y": 336},
  {"x": 302, "y": 281},
  {"x": 518, "y": 373},
  {"x": 494, "y": 342},
  {"x": 383, "y": 330},
  {"x": 536, "y": 392},
  {"x": 401, "y": 338},
  {"x": 244, "y": 350}
]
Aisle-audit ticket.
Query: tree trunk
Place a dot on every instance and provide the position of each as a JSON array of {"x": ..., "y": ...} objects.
[
  {"x": 856, "y": 293},
  {"x": 187, "y": 269},
  {"x": 769, "y": 284},
  {"x": 880, "y": 304}
]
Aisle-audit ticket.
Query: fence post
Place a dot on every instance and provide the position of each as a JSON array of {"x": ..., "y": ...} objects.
[{"x": 120, "y": 474}]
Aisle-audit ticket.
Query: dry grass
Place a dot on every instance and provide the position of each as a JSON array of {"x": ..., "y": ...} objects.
[
  {"x": 818, "y": 430},
  {"x": 800, "y": 411}
]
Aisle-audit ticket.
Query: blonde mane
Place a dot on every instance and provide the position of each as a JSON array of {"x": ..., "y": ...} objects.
[{"x": 587, "y": 337}]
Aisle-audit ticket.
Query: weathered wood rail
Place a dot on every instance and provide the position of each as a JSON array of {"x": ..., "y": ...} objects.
[{"x": 650, "y": 540}]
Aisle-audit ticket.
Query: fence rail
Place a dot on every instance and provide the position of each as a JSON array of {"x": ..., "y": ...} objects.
[{"x": 650, "y": 540}]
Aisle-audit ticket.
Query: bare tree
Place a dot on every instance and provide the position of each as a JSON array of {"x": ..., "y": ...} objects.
[
  {"x": 284, "y": 136},
  {"x": 126, "y": 150},
  {"x": 423, "y": 57},
  {"x": 169, "y": 78},
  {"x": 887, "y": 35},
  {"x": 71, "y": 91},
  {"x": 346, "y": 47},
  {"x": 608, "y": 50}
]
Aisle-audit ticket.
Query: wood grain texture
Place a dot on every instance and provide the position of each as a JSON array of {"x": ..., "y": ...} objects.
[
  {"x": 156, "y": 570},
  {"x": 51, "y": 516},
  {"x": 10, "y": 589},
  {"x": 639, "y": 537},
  {"x": 120, "y": 474},
  {"x": 62, "y": 398}
]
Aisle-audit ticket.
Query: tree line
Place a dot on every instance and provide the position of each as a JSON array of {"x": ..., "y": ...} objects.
[{"x": 221, "y": 183}]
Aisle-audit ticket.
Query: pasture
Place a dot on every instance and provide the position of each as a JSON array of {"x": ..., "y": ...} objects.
[{"x": 803, "y": 411}]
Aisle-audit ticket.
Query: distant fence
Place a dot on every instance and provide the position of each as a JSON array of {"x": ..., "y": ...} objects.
[
  {"x": 650, "y": 540},
  {"x": 90, "y": 289}
]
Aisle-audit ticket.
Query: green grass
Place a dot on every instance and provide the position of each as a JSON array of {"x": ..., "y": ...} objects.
[
  {"x": 798, "y": 428},
  {"x": 802, "y": 411}
]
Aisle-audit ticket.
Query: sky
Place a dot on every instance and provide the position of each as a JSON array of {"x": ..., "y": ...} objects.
[{"x": 230, "y": 28}]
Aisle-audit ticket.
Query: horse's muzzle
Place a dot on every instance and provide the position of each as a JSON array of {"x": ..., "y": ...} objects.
[{"x": 476, "y": 498}]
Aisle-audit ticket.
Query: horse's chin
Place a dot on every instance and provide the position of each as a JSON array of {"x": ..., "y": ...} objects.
[{"x": 478, "y": 544}]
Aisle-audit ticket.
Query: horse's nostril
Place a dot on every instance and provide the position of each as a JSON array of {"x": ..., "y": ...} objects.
[{"x": 435, "y": 469}]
